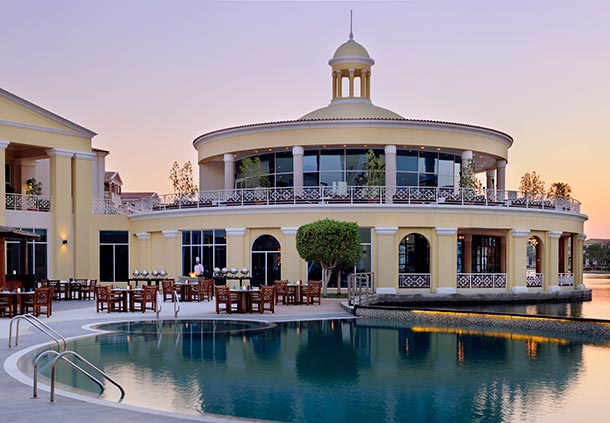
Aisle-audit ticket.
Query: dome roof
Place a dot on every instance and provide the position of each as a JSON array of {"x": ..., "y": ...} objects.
[
  {"x": 351, "y": 48},
  {"x": 351, "y": 110}
]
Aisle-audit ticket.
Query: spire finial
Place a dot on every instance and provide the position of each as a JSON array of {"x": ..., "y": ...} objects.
[{"x": 351, "y": 33}]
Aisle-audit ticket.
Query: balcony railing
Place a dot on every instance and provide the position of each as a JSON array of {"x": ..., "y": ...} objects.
[
  {"x": 481, "y": 280},
  {"x": 535, "y": 280},
  {"x": 566, "y": 279},
  {"x": 414, "y": 280},
  {"x": 344, "y": 195},
  {"x": 40, "y": 203}
]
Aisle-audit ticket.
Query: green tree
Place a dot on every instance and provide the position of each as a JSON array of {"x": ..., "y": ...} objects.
[
  {"x": 252, "y": 173},
  {"x": 468, "y": 177},
  {"x": 181, "y": 178},
  {"x": 532, "y": 183},
  {"x": 561, "y": 189},
  {"x": 33, "y": 187},
  {"x": 331, "y": 243},
  {"x": 375, "y": 169}
]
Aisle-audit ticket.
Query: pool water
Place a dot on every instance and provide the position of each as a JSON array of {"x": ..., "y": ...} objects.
[{"x": 347, "y": 371}]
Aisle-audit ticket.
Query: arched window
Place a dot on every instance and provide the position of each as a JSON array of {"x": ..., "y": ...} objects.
[
  {"x": 414, "y": 262},
  {"x": 266, "y": 260}
]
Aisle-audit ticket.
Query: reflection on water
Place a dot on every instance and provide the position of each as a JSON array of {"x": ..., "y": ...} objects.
[
  {"x": 337, "y": 371},
  {"x": 598, "y": 308}
]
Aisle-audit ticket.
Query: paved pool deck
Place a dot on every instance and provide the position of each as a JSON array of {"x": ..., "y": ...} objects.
[{"x": 69, "y": 317}]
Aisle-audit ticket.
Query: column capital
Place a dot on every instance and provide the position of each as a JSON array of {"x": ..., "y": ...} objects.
[
  {"x": 297, "y": 150},
  {"x": 445, "y": 231},
  {"x": 85, "y": 155},
  {"x": 170, "y": 233},
  {"x": 143, "y": 235},
  {"x": 228, "y": 157},
  {"x": 59, "y": 152},
  {"x": 520, "y": 233},
  {"x": 289, "y": 230},
  {"x": 491, "y": 172},
  {"x": 4, "y": 143},
  {"x": 386, "y": 230},
  {"x": 500, "y": 163},
  {"x": 555, "y": 234},
  {"x": 351, "y": 70},
  {"x": 235, "y": 231},
  {"x": 390, "y": 149}
]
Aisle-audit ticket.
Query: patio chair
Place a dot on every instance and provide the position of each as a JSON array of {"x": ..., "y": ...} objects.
[
  {"x": 76, "y": 286},
  {"x": 58, "y": 289},
  {"x": 105, "y": 300},
  {"x": 266, "y": 295},
  {"x": 281, "y": 290},
  {"x": 88, "y": 290},
  {"x": 167, "y": 289},
  {"x": 43, "y": 297},
  {"x": 224, "y": 296},
  {"x": 201, "y": 291},
  {"x": 143, "y": 298},
  {"x": 6, "y": 308},
  {"x": 313, "y": 291}
]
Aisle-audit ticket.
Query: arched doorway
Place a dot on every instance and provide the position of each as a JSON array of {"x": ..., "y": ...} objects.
[
  {"x": 266, "y": 260},
  {"x": 535, "y": 276},
  {"x": 414, "y": 262}
]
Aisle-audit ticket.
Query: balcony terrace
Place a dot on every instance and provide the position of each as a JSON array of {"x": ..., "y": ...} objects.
[{"x": 341, "y": 195}]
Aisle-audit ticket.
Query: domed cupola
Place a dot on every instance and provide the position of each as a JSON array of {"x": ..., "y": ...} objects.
[{"x": 351, "y": 61}]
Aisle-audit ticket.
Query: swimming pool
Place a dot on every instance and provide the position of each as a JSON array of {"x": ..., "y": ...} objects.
[{"x": 346, "y": 370}]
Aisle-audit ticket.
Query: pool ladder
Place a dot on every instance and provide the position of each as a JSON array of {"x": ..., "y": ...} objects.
[
  {"x": 62, "y": 356},
  {"x": 38, "y": 324},
  {"x": 175, "y": 300}
]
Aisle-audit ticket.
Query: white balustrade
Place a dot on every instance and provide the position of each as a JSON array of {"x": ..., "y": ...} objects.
[
  {"x": 414, "y": 280},
  {"x": 535, "y": 280},
  {"x": 481, "y": 280},
  {"x": 342, "y": 194},
  {"x": 29, "y": 202},
  {"x": 566, "y": 279}
]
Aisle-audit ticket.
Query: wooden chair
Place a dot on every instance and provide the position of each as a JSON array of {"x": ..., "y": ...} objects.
[
  {"x": 281, "y": 290},
  {"x": 145, "y": 297},
  {"x": 167, "y": 289},
  {"x": 224, "y": 296},
  {"x": 76, "y": 287},
  {"x": 201, "y": 291},
  {"x": 58, "y": 289},
  {"x": 313, "y": 290},
  {"x": 43, "y": 297},
  {"x": 6, "y": 308},
  {"x": 266, "y": 295},
  {"x": 209, "y": 284},
  {"x": 88, "y": 290},
  {"x": 104, "y": 297}
]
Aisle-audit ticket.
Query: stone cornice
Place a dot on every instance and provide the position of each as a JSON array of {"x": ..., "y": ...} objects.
[
  {"x": 386, "y": 230},
  {"x": 142, "y": 236},
  {"x": 235, "y": 231},
  {"x": 290, "y": 230},
  {"x": 59, "y": 152},
  {"x": 4, "y": 143},
  {"x": 520, "y": 233},
  {"x": 555, "y": 234},
  {"x": 170, "y": 233},
  {"x": 445, "y": 231}
]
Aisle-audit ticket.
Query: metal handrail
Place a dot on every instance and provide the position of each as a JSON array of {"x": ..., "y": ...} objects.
[
  {"x": 176, "y": 304},
  {"x": 70, "y": 363},
  {"x": 81, "y": 358},
  {"x": 38, "y": 324},
  {"x": 159, "y": 304}
]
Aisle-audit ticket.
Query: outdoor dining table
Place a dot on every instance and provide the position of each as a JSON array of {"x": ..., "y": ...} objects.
[
  {"x": 17, "y": 300},
  {"x": 148, "y": 281},
  {"x": 186, "y": 290},
  {"x": 295, "y": 291},
  {"x": 244, "y": 298},
  {"x": 125, "y": 295}
]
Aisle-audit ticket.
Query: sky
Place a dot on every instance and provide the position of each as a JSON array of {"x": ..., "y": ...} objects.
[{"x": 149, "y": 76}]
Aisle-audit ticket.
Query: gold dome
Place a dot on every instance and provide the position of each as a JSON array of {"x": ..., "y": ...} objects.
[
  {"x": 351, "y": 110},
  {"x": 351, "y": 48}
]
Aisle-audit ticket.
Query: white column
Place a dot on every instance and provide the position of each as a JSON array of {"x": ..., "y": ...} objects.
[
  {"x": 229, "y": 171},
  {"x": 491, "y": 173},
  {"x": 297, "y": 166},
  {"x": 501, "y": 178},
  {"x": 466, "y": 159},
  {"x": 390, "y": 171}
]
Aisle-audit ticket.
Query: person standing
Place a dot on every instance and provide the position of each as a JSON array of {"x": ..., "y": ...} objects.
[{"x": 198, "y": 267}]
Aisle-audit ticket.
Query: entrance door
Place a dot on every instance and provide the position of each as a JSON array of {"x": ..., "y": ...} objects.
[{"x": 266, "y": 261}]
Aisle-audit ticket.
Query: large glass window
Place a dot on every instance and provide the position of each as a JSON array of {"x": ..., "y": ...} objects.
[
  {"x": 210, "y": 245},
  {"x": 114, "y": 256},
  {"x": 267, "y": 170},
  {"x": 427, "y": 169},
  {"x": 36, "y": 251},
  {"x": 486, "y": 254},
  {"x": 314, "y": 270},
  {"x": 414, "y": 254}
]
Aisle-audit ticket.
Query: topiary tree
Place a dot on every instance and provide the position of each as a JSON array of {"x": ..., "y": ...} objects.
[{"x": 331, "y": 243}]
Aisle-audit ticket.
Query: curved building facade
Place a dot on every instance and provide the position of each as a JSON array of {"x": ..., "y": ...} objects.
[{"x": 426, "y": 224}]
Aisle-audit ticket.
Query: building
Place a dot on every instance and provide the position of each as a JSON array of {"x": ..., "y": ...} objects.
[{"x": 401, "y": 180}]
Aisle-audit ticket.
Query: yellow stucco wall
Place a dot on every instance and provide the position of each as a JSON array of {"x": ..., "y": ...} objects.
[{"x": 380, "y": 136}]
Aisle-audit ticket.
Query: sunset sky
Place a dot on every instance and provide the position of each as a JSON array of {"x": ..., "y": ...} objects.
[{"x": 149, "y": 76}]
